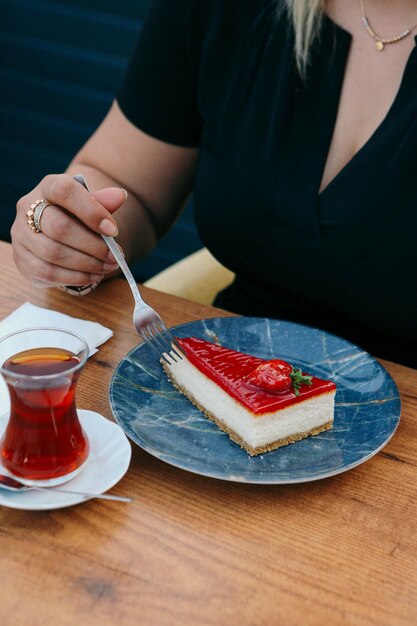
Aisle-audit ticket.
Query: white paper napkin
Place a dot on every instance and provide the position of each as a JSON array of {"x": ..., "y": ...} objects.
[{"x": 30, "y": 316}]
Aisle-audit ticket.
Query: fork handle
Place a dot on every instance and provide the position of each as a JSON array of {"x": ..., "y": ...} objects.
[{"x": 115, "y": 250}]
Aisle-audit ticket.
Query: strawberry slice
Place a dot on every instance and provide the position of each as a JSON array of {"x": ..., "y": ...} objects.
[
  {"x": 278, "y": 376},
  {"x": 272, "y": 375}
]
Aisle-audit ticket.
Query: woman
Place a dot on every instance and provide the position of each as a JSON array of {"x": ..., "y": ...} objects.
[{"x": 294, "y": 123}]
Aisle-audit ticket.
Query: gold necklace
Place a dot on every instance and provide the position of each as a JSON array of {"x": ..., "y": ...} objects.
[{"x": 380, "y": 42}]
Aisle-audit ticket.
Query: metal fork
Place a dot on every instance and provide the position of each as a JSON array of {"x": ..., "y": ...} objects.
[{"x": 148, "y": 323}]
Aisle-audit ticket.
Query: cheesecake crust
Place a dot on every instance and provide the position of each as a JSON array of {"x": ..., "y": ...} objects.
[{"x": 235, "y": 437}]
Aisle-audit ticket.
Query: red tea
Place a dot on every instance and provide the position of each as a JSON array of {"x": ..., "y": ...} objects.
[{"x": 43, "y": 439}]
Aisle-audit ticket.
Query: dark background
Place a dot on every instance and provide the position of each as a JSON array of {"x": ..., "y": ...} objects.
[{"x": 61, "y": 63}]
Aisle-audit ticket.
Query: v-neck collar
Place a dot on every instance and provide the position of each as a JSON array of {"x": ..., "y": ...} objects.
[
  {"x": 314, "y": 111},
  {"x": 314, "y": 107},
  {"x": 356, "y": 158}
]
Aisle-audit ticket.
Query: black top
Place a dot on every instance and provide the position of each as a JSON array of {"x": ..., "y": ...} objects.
[{"x": 220, "y": 75}]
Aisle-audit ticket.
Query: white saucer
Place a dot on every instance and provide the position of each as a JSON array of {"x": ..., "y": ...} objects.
[{"x": 108, "y": 461}]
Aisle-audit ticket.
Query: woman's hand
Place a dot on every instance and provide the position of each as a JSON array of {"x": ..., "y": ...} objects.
[{"x": 69, "y": 249}]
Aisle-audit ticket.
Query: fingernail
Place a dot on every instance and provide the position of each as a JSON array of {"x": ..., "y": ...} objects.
[
  {"x": 125, "y": 192},
  {"x": 108, "y": 228},
  {"x": 96, "y": 277},
  {"x": 110, "y": 258},
  {"x": 110, "y": 267}
]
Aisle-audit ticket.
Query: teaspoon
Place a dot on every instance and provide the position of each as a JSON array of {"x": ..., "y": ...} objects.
[{"x": 11, "y": 484}]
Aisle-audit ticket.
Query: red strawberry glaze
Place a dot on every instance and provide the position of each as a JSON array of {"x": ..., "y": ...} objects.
[{"x": 228, "y": 368}]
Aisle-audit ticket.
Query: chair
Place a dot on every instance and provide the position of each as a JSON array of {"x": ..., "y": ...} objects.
[{"x": 198, "y": 277}]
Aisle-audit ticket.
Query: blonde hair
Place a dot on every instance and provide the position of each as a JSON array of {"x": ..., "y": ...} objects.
[{"x": 305, "y": 16}]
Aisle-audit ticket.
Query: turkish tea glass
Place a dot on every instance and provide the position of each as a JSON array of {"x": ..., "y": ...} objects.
[{"x": 44, "y": 443}]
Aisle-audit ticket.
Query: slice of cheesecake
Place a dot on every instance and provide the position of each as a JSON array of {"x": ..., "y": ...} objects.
[{"x": 260, "y": 404}]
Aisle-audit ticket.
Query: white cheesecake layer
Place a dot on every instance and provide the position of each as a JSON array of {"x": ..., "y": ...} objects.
[{"x": 256, "y": 431}]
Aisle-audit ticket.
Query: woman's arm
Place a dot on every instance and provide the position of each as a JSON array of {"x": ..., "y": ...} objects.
[{"x": 157, "y": 176}]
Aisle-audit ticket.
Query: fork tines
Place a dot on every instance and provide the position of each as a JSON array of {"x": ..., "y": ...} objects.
[{"x": 163, "y": 342}]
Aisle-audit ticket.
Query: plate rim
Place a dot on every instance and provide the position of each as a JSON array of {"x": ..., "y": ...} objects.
[{"x": 262, "y": 480}]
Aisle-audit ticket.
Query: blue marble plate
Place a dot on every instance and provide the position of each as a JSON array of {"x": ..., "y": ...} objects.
[{"x": 164, "y": 423}]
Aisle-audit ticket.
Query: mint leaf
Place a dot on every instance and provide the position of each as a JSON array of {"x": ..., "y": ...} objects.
[{"x": 298, "y": 379}]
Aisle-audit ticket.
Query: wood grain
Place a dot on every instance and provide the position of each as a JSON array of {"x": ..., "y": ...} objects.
[{"x": 195, "y": 551}]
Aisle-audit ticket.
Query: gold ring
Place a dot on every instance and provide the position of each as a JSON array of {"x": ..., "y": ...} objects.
[{"x": 34, "y": 215}]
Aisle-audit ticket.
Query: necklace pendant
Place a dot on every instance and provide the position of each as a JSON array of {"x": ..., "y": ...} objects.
[{"x": 380, "y": 46}]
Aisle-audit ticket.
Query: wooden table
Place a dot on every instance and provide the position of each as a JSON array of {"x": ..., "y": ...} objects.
[{"x": 197, "y": 551}]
